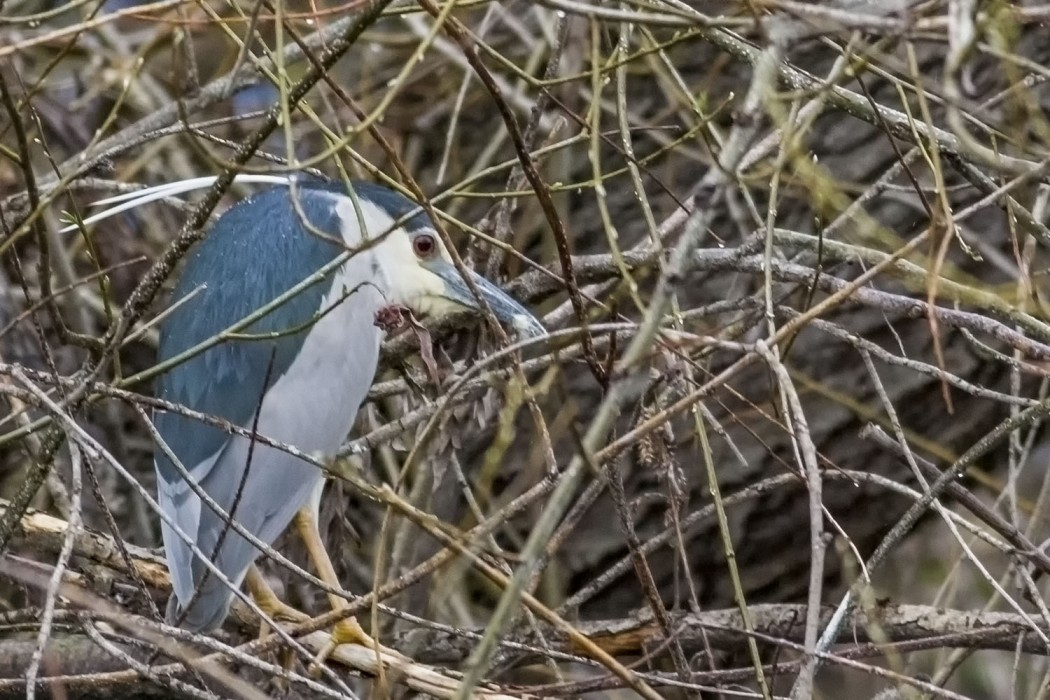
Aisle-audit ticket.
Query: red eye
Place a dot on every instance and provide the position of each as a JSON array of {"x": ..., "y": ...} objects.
[{"x": 424, "y": 245}]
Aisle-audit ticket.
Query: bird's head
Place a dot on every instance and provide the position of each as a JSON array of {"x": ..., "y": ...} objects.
[
  {"x": 418, "y": 270},
  {"x": 425, "y": 279}
]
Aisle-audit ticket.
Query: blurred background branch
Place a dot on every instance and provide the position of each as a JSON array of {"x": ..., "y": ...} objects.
[{"x": 746, "y": 223}]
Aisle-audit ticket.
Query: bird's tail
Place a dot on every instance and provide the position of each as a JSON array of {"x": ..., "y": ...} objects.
[{"x": 208, "y": 607}]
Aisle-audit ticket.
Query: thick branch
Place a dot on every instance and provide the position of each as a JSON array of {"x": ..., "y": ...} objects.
[{"x": 917, "y": 626}]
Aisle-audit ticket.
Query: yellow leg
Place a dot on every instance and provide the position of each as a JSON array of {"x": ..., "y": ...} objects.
[
  {"x": 275, "y": 608},
  {"x": 346, "y": 631}
]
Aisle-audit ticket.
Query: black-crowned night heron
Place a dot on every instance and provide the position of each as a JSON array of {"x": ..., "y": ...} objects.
[{"x": 309, "y": 263}]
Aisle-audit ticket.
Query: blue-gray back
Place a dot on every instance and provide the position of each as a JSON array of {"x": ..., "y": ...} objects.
[{"x": 256, "y": 251}]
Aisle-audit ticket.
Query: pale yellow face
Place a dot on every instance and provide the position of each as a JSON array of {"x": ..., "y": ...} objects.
[
  {"x": 406, "y": 261},
  {"x": 418, "y": 273},
  {"x": 418, "y": 266}
]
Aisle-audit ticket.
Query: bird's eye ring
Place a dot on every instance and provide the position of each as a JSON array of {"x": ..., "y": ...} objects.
[{"x": 424, "y": 245}]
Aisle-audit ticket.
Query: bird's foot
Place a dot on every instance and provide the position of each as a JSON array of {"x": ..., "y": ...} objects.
[
  {"x": 348, "y": 631},
  {"x": 276, "y": 609}
]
